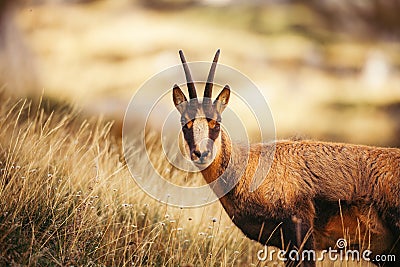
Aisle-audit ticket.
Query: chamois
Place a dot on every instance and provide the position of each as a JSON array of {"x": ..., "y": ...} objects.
[{"x": 314, "y": 193}]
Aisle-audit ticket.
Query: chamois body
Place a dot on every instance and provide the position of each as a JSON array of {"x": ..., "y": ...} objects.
[
  {"x": 306, "y": 181},
  {"x": 313, "y": 194}
]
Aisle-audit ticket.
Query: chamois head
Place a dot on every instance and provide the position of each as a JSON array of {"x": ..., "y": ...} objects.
[{"x": 200, "y": 120}]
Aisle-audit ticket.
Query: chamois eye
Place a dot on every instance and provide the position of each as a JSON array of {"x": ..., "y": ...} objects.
[
  {"x": 213, "y": 124},
  {"x": 186, "y": 123}
]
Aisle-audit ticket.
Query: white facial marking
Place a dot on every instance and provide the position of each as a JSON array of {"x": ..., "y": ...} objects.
[
  {"x": 205, "y": 150},
  {"x": 200, "y": 134}
]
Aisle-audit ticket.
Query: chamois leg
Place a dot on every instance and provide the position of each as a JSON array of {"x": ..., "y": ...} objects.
[
  {"x": 297, "y": 234},
  {"x": 394, "y": 220},
  {"x": 396, "y": 246},
  {"x": 395, "y": 251}
]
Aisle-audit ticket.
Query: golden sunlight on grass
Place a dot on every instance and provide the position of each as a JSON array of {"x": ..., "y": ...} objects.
[{"x": 67, "y": 198}]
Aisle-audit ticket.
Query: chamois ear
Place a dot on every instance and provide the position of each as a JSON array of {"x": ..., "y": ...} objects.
[
  {"x": 222, "y": 99},
  {"x": 180, "y": 100}
]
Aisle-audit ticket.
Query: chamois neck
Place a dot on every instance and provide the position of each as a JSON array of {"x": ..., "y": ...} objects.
[{"x": 221, "y": 161}]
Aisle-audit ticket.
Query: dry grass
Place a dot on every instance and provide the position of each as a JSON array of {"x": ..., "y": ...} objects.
[
  {"x": 68, "y": 199},
  {"x": 66, "y": 196}
]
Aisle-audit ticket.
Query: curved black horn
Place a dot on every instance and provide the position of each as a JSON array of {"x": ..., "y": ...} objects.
[
  {"x": 210, "y": 79},
  {"x": 189, "y": 80}
]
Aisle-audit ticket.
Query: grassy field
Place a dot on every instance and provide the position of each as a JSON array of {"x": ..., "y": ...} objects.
[
  {"x": 67, "y": 198},
  {"x": 66, "y": 195}
]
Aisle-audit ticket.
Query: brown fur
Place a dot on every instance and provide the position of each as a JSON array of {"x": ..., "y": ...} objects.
[{"x": 307, "y": 180}]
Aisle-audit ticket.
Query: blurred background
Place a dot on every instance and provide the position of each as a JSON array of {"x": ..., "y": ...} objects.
[{"x": 329, "y": 69}]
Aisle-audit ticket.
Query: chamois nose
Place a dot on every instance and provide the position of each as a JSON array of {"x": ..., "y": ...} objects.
[
  {"x": 200, "y": 155},
  {"x": 204, "y": 154},
  {"x": 196, "y": 153}
]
